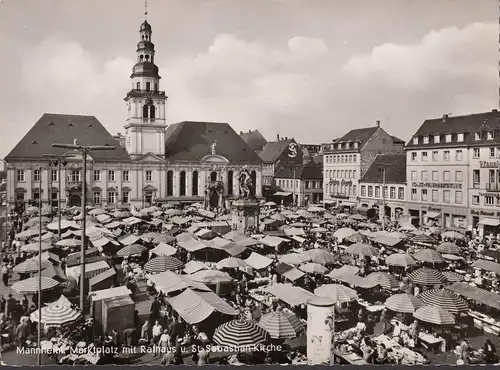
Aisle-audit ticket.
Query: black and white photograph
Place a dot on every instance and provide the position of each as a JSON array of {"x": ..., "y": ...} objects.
[{"x": 249, "y": 182}]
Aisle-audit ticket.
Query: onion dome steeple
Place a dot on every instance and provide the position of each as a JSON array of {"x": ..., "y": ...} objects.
[{"x": 145, "y": 66}]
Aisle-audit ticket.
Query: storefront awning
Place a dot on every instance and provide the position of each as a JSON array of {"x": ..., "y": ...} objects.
[
  {"x": 433, "y": 214},
  {"x": 489, "y": 222},
  {"x": 282, "y": 194},
  {"x": 328, "y": 201},
  {"x": 348, "y": 204}
]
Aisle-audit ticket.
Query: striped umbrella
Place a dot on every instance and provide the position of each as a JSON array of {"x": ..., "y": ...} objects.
[
  {"x": 427, "y": 276},
  {"x": 320, "y": 256},
  {"x": 35, "y": 247},
  {"x": 449, "y": 248},
  {"x": 423, "y": 238},
  {"x": 131, "y": 250},
  {"x": 453, "y": 277},
  {"x": 450, "y": 301},
  {"x": 405, "y": 303},
  {"x": 240, "y": 335},
  {"x": 163, "y": 263},
  {"x": 336, "y": 292},
  {"x": 281, "y": 325},
  {"x": 400, "y": 259},
  {"x": 28, "y": 266},
  {"x": 451, "y": 257},
  {"x": 384, "y": 279},
  {"x": 428, "y": 255},
  {"x": 56, "y": 314},
  {"x": 313, "y": 268},
  {"x": 434, "y": 315},
  {"x": 30, "y": 285},
  {"x": 362, "y": 249}
]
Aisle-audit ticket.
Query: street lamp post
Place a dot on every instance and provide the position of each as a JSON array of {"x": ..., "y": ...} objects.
[
  {"x": 84, "y": 149},
  {"x": 59, "y": 162},
  {"x": 39, "y": 334},
  {"x": 382, "y": 213}
]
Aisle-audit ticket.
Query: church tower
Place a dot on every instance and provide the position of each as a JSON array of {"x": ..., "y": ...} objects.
[{"x": 145, "y": 125}]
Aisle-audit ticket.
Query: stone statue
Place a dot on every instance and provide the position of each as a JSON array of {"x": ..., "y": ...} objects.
[
  {"x": 247, "y": 187},
  {"x": 212, "y": 147}
]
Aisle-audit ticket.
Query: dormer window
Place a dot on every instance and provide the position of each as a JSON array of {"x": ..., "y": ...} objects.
[
  {"x": 477, "y": 136},
  {"x": 356, "y": 145},
  {"x": 426, "y": 139},
  {"x": 339, "y": 146},
  {"x": 489, "y": 135},
  {"x": 415, "y": 140},
  {"x": 447, "y": 138},
  {"x": 460, "y": 138},
  {"x": 437, "y": 139}
]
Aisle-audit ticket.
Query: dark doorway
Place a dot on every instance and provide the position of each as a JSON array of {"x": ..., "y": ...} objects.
[
  {"x": 75, "y": 200},
  {"x": 170, "y": 183},
  {"x": 214, "y": 199},
  {"x": 194, "y": 185},
  {"x": 230, "y": 175},
  {"x": 213, "y": 176},
  {"x": 148, "y": 198},
  {"x": 371, "y": 213},
  {"x": 182, "y": 183}
]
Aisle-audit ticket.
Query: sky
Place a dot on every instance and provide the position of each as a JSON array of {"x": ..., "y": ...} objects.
[{"x": 308, "y": 69}]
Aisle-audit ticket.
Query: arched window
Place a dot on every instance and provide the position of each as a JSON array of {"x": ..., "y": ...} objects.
[
  {"x": 145, "y": 111},
  {"x": 170, "y": 183},
  {"x": 194, "y": 183},
  {"x": 230, "y": 183},
  {"x": 213, "y": 176},
  {"x": 147, "y": 57},
  {"x": 254, "y": 179},
  {"x": 182, "y": 183},
  {"x": 152, "y": 111}
]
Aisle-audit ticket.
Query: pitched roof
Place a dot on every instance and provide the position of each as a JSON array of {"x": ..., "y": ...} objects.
[
  {"x": 360, "y": 135},
  {"x": 397, "y": 140},
  {"x": 191, "y": 141},
  {"x": 273, "y": 150},
  {"x": 254, "y": 139},
  {"x": 64, "y": 128},
  {"x": 396, "y": 173},
  {"x": 467, "y": 125},
  {"x": 309, "y": 171}
]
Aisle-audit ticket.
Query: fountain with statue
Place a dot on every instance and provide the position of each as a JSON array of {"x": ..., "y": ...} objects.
[{"x": 245, "y": 210}]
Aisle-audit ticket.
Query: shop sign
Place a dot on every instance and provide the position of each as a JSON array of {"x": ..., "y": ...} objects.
[
  {"x": 432, "y": 209},
  {"x": 484, "y": 213},
  {"x": 495, "y": 195},
  {"x": 486, "y": 164},
  {"x": 343, "y": 182},
  {"x": 437, "y": 185}
]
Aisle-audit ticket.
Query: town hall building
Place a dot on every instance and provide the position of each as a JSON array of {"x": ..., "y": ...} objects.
[{"x": 153, "y": 161}]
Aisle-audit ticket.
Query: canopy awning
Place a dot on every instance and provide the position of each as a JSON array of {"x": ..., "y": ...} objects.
[
  {"x": 194, "y": 306},
  {"x": 120, "y": 291},
  {"x": 328, "y": 201},
  {"x": 348, "y": 204},
  {"x": 477, "y": 294},
  {"x": 299, "y": 239},
  {"x": 489, "y": 221},
  {"x": 258, "y": 261},
  {"x": 272, "y": 241},
  {"x": 293, "y": 295},
  {"x": 390, "y": 241},
  {"x": 293, "y": 274},
  {"x": 357, "y": 281},
  {"x": 282, "y": 194},
  {"x": 163, "y": 249},
  {"x": 169, "y": 281},
  {"x": 433, "y": 214},
  {"x": 487, "y": 265}
]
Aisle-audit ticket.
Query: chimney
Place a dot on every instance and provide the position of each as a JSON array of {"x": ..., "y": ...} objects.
[
  {"x": 445, "y": 118},
  {"x": 378, "y": 123},
  {"x": 277, "y": 137},
  {"x": 249, "y": 131},
  {"x": 286, "y": 137},
  {"x": 241, "y": 132}
]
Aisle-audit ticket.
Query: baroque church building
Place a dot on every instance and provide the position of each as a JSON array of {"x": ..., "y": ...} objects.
[{"x": 154, "y": 162}]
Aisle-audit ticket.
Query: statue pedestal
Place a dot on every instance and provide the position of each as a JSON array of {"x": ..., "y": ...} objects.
[{"x": 245, "y": 215}]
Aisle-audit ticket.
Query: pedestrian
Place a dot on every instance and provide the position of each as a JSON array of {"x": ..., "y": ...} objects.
[{"x": 489, "y": 352}]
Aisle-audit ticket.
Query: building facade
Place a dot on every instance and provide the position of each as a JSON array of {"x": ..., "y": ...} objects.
[
  {"x": 452, "y": 172},
  {"x": 276, "y": 155},
  {"x": 391, "y": 201},
  {"x": 152, "y": 162},
  {"x": 305, "y": 182},
  {"x": 346, "y": 160}
]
